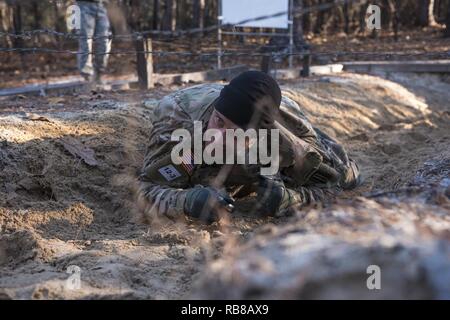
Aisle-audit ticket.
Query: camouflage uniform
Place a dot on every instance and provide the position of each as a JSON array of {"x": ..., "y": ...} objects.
[
  {"x": 94, "y": 23},
  {"x": 163, "y": 185}
]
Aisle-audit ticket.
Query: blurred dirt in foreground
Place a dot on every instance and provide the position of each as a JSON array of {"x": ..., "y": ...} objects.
[{"x": 58, "y": 211}]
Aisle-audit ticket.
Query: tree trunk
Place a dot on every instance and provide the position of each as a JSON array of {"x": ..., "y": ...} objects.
[
  {"x": 394, "y": 16},
  {"x": 347, "y": 10},
  {"x": 155, "y": 14},
  {"x": 423, "y": 12},
  {"x": 320, "y": 19},
  {"x": 447, "y": 23},
  {"x": 332, "y": 16},
  {"x": 431, "y": 20},
  {"x": 207, "y": 13},
  {"x": 133, "y": 16},
  {"x": 362, "y": 17},
  {"x": 17, "y": 24},
  {"x": 307, "y": 18},
  {"x": 439, "y": 11},
  {"x": 396, "y": 19},
  {"x": 299, "y": 39},
  {"x": 426, "y": 13},
  {"x": 37, "y": 20},
  {"x": 5, "y": 21},
  {"x": 198, "y": 13},
  {"x": 170, "y": 14},
  {"x": 178, "y": 15},
  {"x": 37, "y": 14},
  {"x": 59, "y": 18}
]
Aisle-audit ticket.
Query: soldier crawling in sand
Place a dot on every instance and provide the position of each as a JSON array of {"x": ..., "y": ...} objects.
[{"x": 311, "y": 166}]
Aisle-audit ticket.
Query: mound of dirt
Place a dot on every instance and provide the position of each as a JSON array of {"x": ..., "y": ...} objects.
[
  {"x": 18, "y": 247},
  {"x": 66, "y": 199},
  {"x": 327, "y": 253}
]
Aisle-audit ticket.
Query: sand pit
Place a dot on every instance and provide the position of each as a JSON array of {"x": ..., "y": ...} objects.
[{"x": 60, "y": 208}]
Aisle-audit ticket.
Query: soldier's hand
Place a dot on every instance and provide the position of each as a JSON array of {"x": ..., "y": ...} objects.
[
  {"x": 272, "y": 196},
  {"x": 207, "y": 204}
]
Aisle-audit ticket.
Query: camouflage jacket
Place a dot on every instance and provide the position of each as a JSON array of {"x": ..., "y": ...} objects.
[{"x": 164, "y": 185}]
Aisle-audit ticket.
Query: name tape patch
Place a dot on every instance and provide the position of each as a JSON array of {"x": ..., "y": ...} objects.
[{"x": 169, "y": 172}]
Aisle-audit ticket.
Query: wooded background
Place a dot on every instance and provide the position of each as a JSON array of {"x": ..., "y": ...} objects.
[
  {"x": 338, "y": 33},
  {"x": 137, "y": 15}
]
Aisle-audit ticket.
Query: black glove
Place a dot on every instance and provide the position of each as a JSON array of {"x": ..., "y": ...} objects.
[
  {"x": 273, "y": 196},
  {"x": 206, "y": 204}
]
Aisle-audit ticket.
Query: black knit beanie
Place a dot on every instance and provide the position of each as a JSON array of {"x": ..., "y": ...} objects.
[{"x": 250, "y": 98}]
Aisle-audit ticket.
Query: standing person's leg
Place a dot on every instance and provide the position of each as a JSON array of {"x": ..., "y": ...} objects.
[
  {"x": 85, "y": 41},
  {"x": 103, "y": 42}
]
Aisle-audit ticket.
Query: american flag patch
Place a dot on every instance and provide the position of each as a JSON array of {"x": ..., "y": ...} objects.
[{"x": 187, "y": 161}]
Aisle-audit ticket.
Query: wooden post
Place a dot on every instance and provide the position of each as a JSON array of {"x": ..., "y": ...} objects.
[
  {"x": 144, "y": 63},
  {"x": 306, "y": 65},
  {"x": 266, "y": 64}
]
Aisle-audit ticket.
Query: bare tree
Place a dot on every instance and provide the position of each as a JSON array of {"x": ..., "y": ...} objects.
[
  {"x": 426, "y": 13},
  {"x": 320, "y": 19},
  {"x": 17, "y": 23},
  {"x": 431, "y": 19},
  {"x": 393, "y": 6},
  {"x": 347, "y": 9},
  {"x": 172, "y": 14},
  {"x": 198, "y": 13},
  {"x": 169, "y": 21},
  {"x": 307, "y": 17},
  {"x": 5, "y": 21},
  {"x": 134, "y": 15},
  {"x": 298, "y": 23},
  {"x": 362, "y": 17},
  {"x": 447, "y": 23},
  {"x": 36, "y": 14},
  {"x": 155, "y": 14}
]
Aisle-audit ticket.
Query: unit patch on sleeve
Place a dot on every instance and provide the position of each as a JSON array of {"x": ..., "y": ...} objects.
[{"x": 169, "y": 172}]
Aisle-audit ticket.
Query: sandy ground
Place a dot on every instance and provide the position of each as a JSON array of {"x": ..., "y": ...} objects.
[{"x": 56, "y": 211}]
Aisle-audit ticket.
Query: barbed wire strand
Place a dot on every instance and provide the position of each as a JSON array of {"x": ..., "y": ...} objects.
[
  {"x": 177, "y": 33},
  {"x": 229, "y": 52},
  {"x": 225, "y": 53}
]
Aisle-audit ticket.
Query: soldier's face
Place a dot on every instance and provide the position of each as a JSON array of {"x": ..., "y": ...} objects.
[{"x": 219, "y": 122}]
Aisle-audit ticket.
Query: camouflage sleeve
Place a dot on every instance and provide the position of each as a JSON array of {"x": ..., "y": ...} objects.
[
  {"x": 162, "y": 187},
  {"x": 163, "y": 184},
  {"x": 294, "y": 117},
  {"x": 303, "y": 196},
  {"x": 327, "y": 163},
  {"x": 160, "y": 201}
]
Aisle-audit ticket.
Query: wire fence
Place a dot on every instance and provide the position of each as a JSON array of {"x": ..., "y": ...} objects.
[
  {"x": 266, "y": 50},
  {"x": 387, "y": 55},
  {"x": 27, "y": 35}
]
